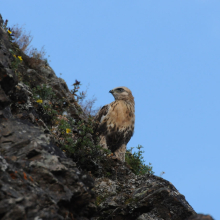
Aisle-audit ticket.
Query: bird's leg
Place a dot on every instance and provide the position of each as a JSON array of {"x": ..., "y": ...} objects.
[
  {"x": 120, "y": 152},
  {"x": 103, "y": 142}
]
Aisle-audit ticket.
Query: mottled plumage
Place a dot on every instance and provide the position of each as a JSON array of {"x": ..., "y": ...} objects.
[{"x": 116, "y": 122}]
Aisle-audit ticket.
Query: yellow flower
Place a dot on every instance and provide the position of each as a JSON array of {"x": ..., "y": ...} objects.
[
  {"x": 68, "y": 130},
  {"x": 20, "y": 58},
  {"x": 9, "y": 32},
  {"x": 39, "y": 101}
]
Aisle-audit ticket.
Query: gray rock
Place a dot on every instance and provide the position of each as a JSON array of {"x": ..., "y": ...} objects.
[{"x": 32, "y": 178}]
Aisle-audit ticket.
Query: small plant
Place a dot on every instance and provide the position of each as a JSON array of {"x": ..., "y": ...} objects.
[
  {"x": 75, "y": 90},
  {"x": 38, "y": 54},
  {"x": 85, "y": 144},
  {"x": 43, "y": 92},
  {"x": 80, "y": 145},
  {"x": 17, "y": 61},
  {"x": 64, "y": 127},
  {"x": 86, "y": 105},
  {"x": 51, "y": 104},
  {"x": 6, "y": 28},
  {"x": 46, "y": 61},
  {"x": 22, "y": 38},
  {"x": 136, "y": 162},
  {"x": 100, "y": 199},
  {"x": 5, "y": 25},
  {"x": 162, "y": 173}
]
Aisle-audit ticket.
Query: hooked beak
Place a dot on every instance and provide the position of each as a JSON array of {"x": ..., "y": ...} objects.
[{"x": 111, "y": 91}]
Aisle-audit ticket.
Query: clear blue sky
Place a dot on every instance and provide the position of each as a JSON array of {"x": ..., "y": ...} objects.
[{"x": 167, "y": 53}]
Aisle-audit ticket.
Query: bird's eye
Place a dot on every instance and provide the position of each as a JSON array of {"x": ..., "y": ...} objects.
[{"x": 120, "y": 89}]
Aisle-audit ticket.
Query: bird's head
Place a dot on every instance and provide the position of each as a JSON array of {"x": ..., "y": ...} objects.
[{"x": 122, "y": 93}]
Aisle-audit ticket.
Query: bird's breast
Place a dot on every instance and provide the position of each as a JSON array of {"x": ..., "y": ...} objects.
[{"x": 121, "y": 116}]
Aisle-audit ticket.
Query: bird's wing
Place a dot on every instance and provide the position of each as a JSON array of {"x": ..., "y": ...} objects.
[{"x": 102, "y": 113}]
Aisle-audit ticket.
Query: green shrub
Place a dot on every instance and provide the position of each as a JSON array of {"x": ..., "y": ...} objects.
[
  {"x": 51, "y": 104},
  {"x": 136, "y": 162},
  {"x": 85, "y": 147},
  {"x": 43, "y": 92},
  {"x": 16, "y": 62}
]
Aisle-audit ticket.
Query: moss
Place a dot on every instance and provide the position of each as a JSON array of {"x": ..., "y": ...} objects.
[
  {"x": 131, "y": 200},
  {"x": 100, "y": 199}
]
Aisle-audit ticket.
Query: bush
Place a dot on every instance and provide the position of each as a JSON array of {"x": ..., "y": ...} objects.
[
  {"x": 136, "y": 162},
  {"x": 43, "y": 92},
  {"x": 75, "y": 137},
  {"x": 22, "y": 38},
  {"x": 85, "y": 146}
]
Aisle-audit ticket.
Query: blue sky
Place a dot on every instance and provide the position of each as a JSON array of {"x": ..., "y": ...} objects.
[{"x": 167, "y": 53}]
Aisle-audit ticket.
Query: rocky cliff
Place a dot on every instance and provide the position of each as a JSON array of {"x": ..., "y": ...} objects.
[{"x": 43, "y": 176}]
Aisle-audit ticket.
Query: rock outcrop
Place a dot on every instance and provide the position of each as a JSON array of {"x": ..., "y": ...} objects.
[
  {"x": 39, "y": 180},
  {"x": 200, "y": 217}
]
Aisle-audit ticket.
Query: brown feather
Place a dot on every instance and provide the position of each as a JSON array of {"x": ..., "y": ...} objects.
[{"x": 102, "y": 112}]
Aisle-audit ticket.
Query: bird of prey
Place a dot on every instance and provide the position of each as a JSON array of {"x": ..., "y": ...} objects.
[{"x": 116, "y": 122}]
